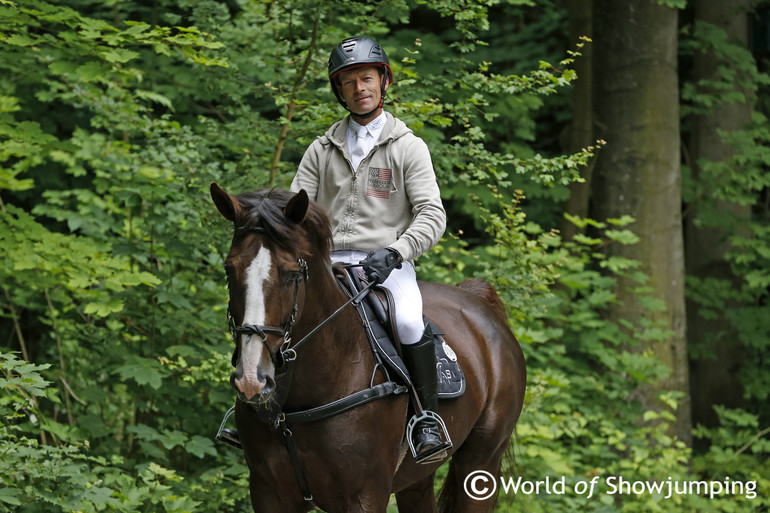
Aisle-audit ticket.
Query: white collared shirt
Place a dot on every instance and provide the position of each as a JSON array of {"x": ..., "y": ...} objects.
[{"x": 373, "y": 129}]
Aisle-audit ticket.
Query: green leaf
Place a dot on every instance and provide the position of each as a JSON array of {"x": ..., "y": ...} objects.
[
  {"x": 155, "y": 97},
  {"x": 92, "y": 71},
  {"x": 10, "y": 496},
  {"x": 200, "y": 446},
  {"x": 120, "y": 55},
  {"x": 144, "y": 371},
  {"x": 104, "y": 309},
  {"x": 172, "y": 438},
  {"x": 19, "y": 40},
  {"x": 674, "y": 4},
  {"x": 174, "y": 504},
  {"x": 626, "y": 237}
]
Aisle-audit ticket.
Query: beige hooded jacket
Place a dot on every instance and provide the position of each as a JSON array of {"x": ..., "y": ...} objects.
[{"x": 391, "y": 200}]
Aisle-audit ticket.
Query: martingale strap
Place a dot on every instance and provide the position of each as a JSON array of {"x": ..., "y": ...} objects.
[
  {"x": 323, "y": 412},
  {"x": 274, "y": 417},
  {"x": 288, "y": 440}
]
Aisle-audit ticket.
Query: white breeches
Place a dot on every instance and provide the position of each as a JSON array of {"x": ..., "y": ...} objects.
[{"x": 402, "y": 284}]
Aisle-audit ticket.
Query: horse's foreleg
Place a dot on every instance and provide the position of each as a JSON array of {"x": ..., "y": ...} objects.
[
  {"x": 418, "y": 498},
  {"x": 268, "y": 499}
]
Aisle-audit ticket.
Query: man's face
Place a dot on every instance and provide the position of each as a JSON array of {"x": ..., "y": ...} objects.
[{"x": 360, "y": 88}]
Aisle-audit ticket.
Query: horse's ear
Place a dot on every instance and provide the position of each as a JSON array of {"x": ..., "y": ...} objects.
[
  {"x": 296, "y": 208},
  {"x": 226, "y": 204}
]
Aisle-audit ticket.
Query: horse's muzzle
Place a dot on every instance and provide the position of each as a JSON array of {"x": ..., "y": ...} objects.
[{"x": 253, "y": 392}]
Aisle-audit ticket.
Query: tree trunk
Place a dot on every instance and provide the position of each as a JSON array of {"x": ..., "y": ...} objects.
[
  {"x": 581, "y": 129},
  {"x": 638, "y": 173},
  {"x": 716, "y": 379}
]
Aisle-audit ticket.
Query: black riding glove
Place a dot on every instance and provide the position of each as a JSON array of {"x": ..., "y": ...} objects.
[{"x": 379, "y": 264}]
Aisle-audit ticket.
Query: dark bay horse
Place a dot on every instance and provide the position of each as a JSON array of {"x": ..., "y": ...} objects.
[{"x": 281, "y": 289}]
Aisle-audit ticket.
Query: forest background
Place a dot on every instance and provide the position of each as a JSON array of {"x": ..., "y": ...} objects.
[{"x": 603, "y": 163}]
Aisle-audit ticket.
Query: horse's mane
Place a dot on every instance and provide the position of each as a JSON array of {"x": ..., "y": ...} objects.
[{"x": 263, "y": 209}]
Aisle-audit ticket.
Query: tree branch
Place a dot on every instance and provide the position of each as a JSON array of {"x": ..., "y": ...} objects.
[
  {"x": 62, "y": 367},
  {"x": 17, "y": 326},
  {"x": 291, "y": 107}
]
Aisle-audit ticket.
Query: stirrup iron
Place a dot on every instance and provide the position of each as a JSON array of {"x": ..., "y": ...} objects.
[
  {"x": 438, "y": 453},
  {"x": 228, "y": 436}
]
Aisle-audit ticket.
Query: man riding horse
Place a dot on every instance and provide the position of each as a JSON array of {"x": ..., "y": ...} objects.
[{"x": 376, "y": 181}]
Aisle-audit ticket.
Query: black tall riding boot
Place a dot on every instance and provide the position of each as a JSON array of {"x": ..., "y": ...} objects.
[{"x": 420, "y": 360}]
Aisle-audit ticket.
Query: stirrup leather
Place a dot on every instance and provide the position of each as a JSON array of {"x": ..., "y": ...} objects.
[{"x": 438, "y": 453}]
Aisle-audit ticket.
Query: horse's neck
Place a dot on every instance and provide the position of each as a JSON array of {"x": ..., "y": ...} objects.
[
  {"x": 339, "y": 351},
  {"x": 322, "y": 298}
]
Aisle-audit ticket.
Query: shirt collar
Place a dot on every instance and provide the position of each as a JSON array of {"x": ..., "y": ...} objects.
[{"x": 374, "y": 127}]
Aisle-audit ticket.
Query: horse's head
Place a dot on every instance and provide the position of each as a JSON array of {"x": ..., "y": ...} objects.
[{"x": 266, "y": 272}]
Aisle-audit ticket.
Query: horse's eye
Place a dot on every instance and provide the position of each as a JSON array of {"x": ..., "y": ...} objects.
[{"x": 287, "y": 278}]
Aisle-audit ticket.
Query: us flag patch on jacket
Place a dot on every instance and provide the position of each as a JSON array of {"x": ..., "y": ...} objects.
[{"x": 380, "y": 180}]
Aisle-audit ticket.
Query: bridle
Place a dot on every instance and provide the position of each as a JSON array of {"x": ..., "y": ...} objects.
[{"x": 285, "y": 353}]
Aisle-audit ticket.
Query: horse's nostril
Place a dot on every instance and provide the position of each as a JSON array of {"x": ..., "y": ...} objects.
[
  {"x": 265, "y": 378},
  {"x": 235, "y": 376},
  {"x": 269, "y": 386}
]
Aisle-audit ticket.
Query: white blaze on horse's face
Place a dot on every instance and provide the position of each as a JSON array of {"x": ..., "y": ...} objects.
[{"x": 251, "y": 384}]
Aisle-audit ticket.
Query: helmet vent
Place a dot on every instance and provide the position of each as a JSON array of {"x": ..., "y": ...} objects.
[{"x": 349, "y": 45}]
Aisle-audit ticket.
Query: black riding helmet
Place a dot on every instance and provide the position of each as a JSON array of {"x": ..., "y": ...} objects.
[{"x": 355, "y": 52}]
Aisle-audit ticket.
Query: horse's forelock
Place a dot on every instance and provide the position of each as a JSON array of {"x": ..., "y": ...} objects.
[{"x": 264, "y": 209}]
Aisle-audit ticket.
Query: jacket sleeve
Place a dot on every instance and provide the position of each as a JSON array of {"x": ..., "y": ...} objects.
[
  {"x": 429, "y": 217},
  {"x": 308, "y": 172}
]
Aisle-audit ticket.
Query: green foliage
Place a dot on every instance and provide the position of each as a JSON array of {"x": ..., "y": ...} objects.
[
  {"x": 735, "y": 67},
  {"x": 675, "y": 4},
  {"x": 739, "y": 179},
  {"x": 583, "y": 421},
  {"x": 115, "y": 117},
  {"x": 65, "y": 477}
]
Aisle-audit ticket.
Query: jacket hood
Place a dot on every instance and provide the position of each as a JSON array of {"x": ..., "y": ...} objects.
[{"x": 394, "y": 129}]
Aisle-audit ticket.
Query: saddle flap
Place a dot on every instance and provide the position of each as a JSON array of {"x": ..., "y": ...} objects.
[
  {"x": 451, "y": 379},
  {"x": 376, "y": 313}
]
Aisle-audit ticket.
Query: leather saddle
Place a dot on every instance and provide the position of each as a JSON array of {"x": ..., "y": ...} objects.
[{"x": 375, "y": 312}]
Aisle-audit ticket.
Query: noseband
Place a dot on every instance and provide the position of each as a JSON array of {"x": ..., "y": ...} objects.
[{"x": 284, "y": 353}]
